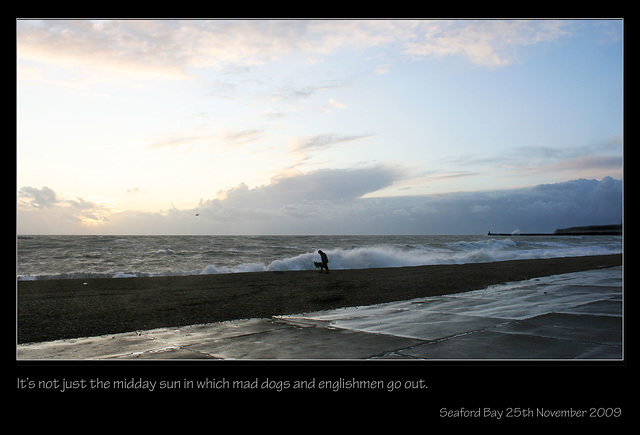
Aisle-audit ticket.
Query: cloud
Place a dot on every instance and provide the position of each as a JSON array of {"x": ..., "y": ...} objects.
[
  {"x": 597, "y": 160},
  {"x": 244, "y": 137},
  {"x": 39, "y": 198},
  {"x": 321, "y": 186},
  {"x": 175, "y": 49},
  {"x": 322, "y": 141},
  {"x": 310, "y": 209},
  {"x": 201, "y": 134},
  {"x": 337, "y": 104},
  {"x": 476, "y": 208},
  {"x": 145, "y": 49},
  {"x": 301, "y": 146},
  {"x": 166, "y": 141},
  {"x": 591, "y": 164},
  {"x": 536, "y": 163},
  {"x": 156, "y": 48},
  {"x": 541, "y": 208},
  {"x": 333, "y": 202},
  {"x": 82, "y": 204},
  {"x": 190, "y": 136},
  {"x": 42, "y": 208},
  {"x": 488, "y": 43},
  {"x": 273, "y": 115},
  {"x": 291, "y": 91}
]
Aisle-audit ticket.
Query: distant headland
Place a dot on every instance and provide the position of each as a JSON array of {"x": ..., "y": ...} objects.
[{"x": 590, "y": 230}]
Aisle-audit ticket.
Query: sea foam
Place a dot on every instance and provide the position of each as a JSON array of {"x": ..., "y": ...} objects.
[{"x": 262, "y": 254}]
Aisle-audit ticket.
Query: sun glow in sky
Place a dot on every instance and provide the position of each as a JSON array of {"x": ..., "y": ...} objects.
[{"x": 357, "y": 126}]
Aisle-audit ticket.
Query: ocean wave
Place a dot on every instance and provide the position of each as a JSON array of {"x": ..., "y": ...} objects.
[
  {"x": 379, "y": 256},
  {"x": 489, "y": 244}
]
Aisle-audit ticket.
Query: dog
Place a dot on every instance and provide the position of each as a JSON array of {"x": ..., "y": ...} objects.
[{"x": 320, "y": 265}]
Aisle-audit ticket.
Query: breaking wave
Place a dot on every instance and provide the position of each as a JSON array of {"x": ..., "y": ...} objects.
[{"x": 378, "y": 255}]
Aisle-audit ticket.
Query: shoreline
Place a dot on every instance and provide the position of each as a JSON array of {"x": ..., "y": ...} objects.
[{"x": 69, "y": 308}]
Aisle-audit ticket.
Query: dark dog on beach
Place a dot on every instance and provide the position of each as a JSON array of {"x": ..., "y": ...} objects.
[{"x": 318, "y": 265}]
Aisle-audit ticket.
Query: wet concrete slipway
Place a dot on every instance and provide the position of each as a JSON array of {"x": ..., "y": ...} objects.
[{"x": 569, "y": 316}]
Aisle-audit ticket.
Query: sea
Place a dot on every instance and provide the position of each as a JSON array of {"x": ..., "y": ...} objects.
[{"x": 76, "y": 257}]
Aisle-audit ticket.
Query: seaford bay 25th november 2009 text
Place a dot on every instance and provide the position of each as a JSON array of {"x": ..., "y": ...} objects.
[{"x": 530, "y": 413}]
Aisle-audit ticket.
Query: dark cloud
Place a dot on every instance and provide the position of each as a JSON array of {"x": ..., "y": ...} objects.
[
  {"x": 330, "y": 201},
  {"x": 81, "y": 204},
  {"x": 39, "y": 198},
  {"x": 542, "y": 208},
  {"x": 327, "y": 185}
]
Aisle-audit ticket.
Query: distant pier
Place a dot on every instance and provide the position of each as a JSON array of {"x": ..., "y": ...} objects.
[{"x": 590, "y": 230}]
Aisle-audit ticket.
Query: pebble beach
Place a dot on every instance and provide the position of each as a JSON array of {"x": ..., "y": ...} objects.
[{"x": 68, "y": 308}]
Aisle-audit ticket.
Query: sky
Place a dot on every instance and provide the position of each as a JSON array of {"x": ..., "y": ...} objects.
[{"x": 317, "y": 126}]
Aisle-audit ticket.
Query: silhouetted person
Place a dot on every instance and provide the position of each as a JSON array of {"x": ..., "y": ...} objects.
[{"x": 325, "y": 261}]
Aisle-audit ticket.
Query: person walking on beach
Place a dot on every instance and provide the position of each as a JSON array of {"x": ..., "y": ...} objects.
[{"x": 324, "y": 260}]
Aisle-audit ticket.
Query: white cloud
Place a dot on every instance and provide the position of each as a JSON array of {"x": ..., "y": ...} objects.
[
  {"x": 244, "y": 137},
  {"x": 144, "y": 49},
  {"x": 203, "y": 134},
  {"x": 81, "y": 204},
  {"x": 489, "y": 43},
  {"x": 171, "y": 140},
  {"x": 260, "y": 72},
  {"x": 44, "y": 208},
  {"x": 175, "y": 49},
  {"x": 337, "y": 104},
  {"x": 322, "y": 141},
  {"x": 302, "y": 147},
  {"x": 595, "y": 165}
]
